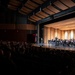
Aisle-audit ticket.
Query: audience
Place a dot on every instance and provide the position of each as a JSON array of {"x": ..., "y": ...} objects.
[{"x": 22, "y": 57}]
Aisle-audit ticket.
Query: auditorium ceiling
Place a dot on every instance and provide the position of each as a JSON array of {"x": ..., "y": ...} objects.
[
  {"x": 38, "y": 10},
  {"x": 68, "y": 24}
]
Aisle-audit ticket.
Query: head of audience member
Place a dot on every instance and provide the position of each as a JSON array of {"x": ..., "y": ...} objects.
[
  {"x": 1, "y": 52},
  {"x": 7, "y": 54}
]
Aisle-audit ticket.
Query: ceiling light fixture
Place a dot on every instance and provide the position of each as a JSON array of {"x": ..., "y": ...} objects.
[{"x": 40, "y": 9}]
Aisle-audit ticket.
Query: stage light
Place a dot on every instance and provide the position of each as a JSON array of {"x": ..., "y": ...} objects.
[{"x": 40, "y": 9}]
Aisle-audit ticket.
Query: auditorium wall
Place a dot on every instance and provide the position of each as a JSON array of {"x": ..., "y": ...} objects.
[
  {"x": 7, "y": 26},
  {"x": 13, "y": 33},
  {"x": 13, "y": 26},
  {"x": 25, "y": 27}
]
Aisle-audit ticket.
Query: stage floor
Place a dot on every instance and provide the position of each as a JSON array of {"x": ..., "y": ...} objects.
[{"x": 52, "y": 46}]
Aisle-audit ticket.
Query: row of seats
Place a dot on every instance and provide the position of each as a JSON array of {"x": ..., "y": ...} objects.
[{"x": 23, "y": 58}]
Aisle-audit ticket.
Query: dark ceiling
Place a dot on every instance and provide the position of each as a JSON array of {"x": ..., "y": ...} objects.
[{"x": 40, "y": 10}]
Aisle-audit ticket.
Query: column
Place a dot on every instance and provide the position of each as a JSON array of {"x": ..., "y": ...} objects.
[
  {"x": 45, "y": 36},
  {"x": 38, "y": 33},
  {"x": 48, "y": 34}
]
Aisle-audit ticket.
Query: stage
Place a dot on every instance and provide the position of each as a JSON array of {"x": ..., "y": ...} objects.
[{"x": 52, "y": 46}]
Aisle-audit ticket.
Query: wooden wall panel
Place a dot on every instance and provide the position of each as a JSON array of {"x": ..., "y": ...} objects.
[
  {"x": 30, "y": 27},
  {"x": 45, "y": 35},
  {"x": 59, "y": 34},
  {"x": 52, "y": 33},
  {"x": 21, "y": 26},
  {"x": 55, "y": 32},
  {"x": 74, "y": 34},
  {"x": 18, "y": 26},
  {"x": 66, "y": 35},
  {"x": 63, "y": 35},
  {"x": 69, "y": 33},
  {"x": 26, "y": 27},
  {"x": 48, "y": 34}
]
